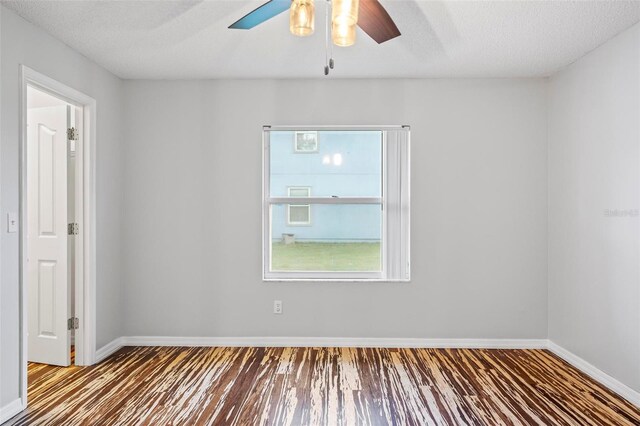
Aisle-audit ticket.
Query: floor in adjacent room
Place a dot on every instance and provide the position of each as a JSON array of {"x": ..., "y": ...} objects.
[{"x": 321, "y": 386}]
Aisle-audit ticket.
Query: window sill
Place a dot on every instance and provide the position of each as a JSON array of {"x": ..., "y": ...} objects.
[{"x": 335, "y": 280}]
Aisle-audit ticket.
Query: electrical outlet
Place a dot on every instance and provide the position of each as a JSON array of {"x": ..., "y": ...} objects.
[
  {"x": 277, "y": 307},
  {"x": 12, "y": 222}
]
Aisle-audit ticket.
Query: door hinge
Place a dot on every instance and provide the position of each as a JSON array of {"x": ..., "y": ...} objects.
[
  {"x": 73, "y": 323},
  {"x": 73, "y": 229},
  {"x": 72, "y": 134}
]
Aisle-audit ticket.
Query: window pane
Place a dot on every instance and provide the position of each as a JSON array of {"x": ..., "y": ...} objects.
[
  {"x": 299, "y": 215},
  {"x": 341, "y": 163},
  {"x": 299, "y": 192},
  {"x": 306, "y": 141},
  {"x": 339, "y": 237}
]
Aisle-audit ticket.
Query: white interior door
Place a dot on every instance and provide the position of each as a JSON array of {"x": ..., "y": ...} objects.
[{"x": 47, "y": 273}]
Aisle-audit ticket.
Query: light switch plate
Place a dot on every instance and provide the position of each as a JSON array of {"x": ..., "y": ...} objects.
[{"x": 12, "y": 222}]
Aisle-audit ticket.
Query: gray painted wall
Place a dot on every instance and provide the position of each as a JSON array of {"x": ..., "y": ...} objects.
[
  {"x": 192, "y": 238},
  {"x": 594, "y": 153},
  {"x": 23, "y": 43}
]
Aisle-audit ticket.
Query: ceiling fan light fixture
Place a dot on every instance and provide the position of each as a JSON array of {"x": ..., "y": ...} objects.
[
  {"x": 301, "y": 18},
  {"x": 343, "y": 35},
  {"x": 344, "y": 12}
]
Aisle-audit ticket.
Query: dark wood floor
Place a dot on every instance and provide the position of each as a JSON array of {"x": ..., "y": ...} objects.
[{"x": 321, "y": 386}]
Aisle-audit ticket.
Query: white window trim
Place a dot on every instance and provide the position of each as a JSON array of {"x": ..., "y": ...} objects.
[
  {"x": 402, "y": 275},
  {"x": 308, "y": 206},
  {"x": 304, "y": 151}
]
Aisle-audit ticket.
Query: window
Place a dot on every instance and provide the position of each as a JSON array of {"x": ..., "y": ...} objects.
[
  {"x": 306, "y": 142},
  {"x": 360, "y": 203},
  {"x": 299, "y": 214}
]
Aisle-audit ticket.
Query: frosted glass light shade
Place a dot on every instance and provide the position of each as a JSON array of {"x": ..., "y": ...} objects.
[
  {"x": 344, "y": 12},
  {"x": 301, "y": 17},
  {"x": 343, "y": 35}
]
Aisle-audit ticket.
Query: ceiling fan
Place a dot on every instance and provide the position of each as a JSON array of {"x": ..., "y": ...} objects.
[{"x": 369, "y": 15}]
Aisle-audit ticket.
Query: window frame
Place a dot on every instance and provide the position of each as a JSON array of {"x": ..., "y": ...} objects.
[
  {"x": 308, "y": 206},
  {"x": 339, "y": 276}
]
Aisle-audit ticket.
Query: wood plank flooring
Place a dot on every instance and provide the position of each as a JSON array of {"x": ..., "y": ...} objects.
[{"x": 321, "y": 386}]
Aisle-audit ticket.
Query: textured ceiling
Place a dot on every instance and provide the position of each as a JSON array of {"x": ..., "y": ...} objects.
[{"x": 189, "y": 39}]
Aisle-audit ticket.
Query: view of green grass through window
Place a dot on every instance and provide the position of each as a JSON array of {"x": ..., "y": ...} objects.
[{"x": 326, "y": 256}]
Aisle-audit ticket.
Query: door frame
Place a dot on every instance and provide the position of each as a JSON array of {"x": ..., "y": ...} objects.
[{"x": 85, "y": 288}]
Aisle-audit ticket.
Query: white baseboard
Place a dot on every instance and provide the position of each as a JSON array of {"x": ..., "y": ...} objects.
[
  {"x": 108, "y": 349},
  {"x": 346, "y": 342},
  {"x": 10, "y": 410},
  {"x": 595, "y": 373},
  {"x": 341, "y": 342}
]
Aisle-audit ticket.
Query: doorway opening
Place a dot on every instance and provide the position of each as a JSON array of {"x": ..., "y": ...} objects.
[{"x": 57, "y": 226}]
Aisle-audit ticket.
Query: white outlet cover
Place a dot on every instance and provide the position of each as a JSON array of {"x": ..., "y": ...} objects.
[{"x": 12, "y": 222}]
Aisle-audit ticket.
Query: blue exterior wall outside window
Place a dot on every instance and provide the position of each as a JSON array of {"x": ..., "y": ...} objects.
[{"x": 359, "y": 174}]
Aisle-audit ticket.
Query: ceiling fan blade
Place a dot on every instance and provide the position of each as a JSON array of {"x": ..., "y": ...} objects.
[
  {"x": 376, "y": 22},
  {"x": 261, "y": 14}
]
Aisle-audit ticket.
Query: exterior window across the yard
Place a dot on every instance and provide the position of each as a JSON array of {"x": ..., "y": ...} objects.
[
  {"x": 360, "y": 204},
  {"x": 299, "y": 214},
  {"x": 306, "y": 142}
]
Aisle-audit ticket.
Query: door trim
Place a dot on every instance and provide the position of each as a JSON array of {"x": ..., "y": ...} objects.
[{"x": 85, "y": 293}]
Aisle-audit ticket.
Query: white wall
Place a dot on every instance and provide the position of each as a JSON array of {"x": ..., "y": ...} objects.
[
  {"x": 594, "y": 278},
  {"x": 191, "y": 240},
  {"x": 22, "y": 43}
]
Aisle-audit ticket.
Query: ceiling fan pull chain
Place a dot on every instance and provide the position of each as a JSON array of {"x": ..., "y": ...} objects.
[
  {"x": 331, "y": 63},
  {"x": 327, "y": 63}
]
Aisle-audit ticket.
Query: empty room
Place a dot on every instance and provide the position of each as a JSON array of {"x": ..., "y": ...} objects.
[{"x": 319, "y": 212}]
